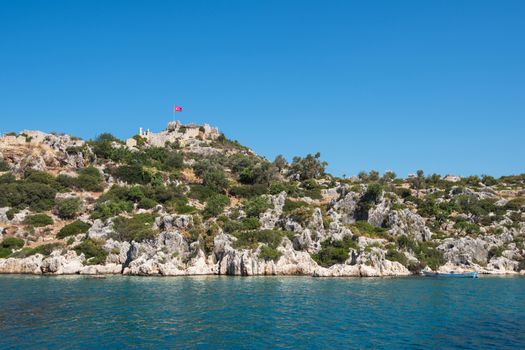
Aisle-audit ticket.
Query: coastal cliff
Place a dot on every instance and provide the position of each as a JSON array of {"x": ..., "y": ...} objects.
[{"x": 189, "y": 201}]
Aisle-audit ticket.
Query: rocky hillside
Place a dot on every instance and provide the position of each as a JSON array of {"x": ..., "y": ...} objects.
[{"x": 190, "y": 201}]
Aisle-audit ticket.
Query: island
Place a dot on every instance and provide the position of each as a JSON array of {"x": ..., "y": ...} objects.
[{"x": 190, "y": 201}]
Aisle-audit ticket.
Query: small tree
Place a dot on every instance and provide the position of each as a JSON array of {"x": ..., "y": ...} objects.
[
  {"x": 373, "y": 175},
  {"x": 389, "y": 176},
  {"x": 309, "y": 167},
  {"x": 280, "y": 162},
  {"x": 363, "y": 176}
]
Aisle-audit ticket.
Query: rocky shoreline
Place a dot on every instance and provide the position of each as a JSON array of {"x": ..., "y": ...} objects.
[
  {"x": 189, "y": 201},
  {"x": 171, "y": 255}
]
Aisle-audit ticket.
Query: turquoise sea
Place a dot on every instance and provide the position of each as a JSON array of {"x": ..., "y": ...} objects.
[{"x": 261, "y": 312}]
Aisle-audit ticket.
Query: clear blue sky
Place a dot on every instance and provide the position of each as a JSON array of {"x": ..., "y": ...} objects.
[{"x": 402, "y": 85}]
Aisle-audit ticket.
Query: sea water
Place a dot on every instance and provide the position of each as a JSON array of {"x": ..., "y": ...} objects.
[{"x": 261, "y": 312}]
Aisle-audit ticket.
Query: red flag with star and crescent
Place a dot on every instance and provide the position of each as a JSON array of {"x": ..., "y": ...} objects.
[{"x": 177, "y": 108}]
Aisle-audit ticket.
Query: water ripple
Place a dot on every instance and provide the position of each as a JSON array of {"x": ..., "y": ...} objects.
[{"x": 75, "y": 312}]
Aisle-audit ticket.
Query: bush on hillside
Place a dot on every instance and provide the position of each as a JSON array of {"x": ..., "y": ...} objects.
[
  {"x": 138, "y": 228},
  {"x": 3, "y": 165},
  {"x": 269, "y": 253},
  {"x": 258, "y": 173},
  {"x": 396, "y": 255},
  {"x": 249, "y": 191},
  {"x": 12, "y": 243},
  {"x": 68, "y": 208},
  {"x": 467, "y": 227},
  {"x": 363, "y": 228},
  {"x": 44, "y": 249},
  {"x": 110, "y": 208},
  {"x": 74, "y": 228},
  {"x": 11, "y": 213},
  {"x": 5, "y": 253},
  {"x": 334, "y": 251},
  {"x": 257, "y": 205},
  {"x": 88, "y": 179},
  {"x": 38, "y": 220},
  {"x": 133, "y": 174},
  {"x": 21, "y": 194},
  {"x": 371, "y": 197},
  {"x": 251, "y": 239},
  {"x": 93, "y": 252},
  {"x": 215, "y": 206}
]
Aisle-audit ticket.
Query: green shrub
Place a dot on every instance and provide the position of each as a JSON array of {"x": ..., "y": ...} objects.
[
  {"x": 312, "y": 189},
  {"x": 269, "y": 253},
  {"x": 3, "y": 165},
  {"x": 290, "y": 205},
  {"x": 216, "y": 180},
  {"x": 7, "y": 178},
  {"x": 428, "y": 255},
  {"x": 180, "y": 206},
  {"x": 74, "y": 228},
  {"x": 225, "y": 143},
  {"x": 212, "y": 175},
  {"x": 68, "y": 208},
  {"x": 515, "y": 204},
  {"x": 201, "y": 193},
  {"x": 215, "y": 206},
  {"x": 257, "y": 205},
  {"x": 395, "y": 255},
  {"x": 10, "y": 214},
  {"x": 133, "y": 174},
  {"x": 261, "y": 172},
  {"x": 251, "y": 239},
  {"x": 496, "y": 251},
  {"x": 38, "y": 220},
  {"x": 102, "y": 147},
  {"x": 45, "y": 249},
  {"x": 93, "y": 252},
  {"x": 5, "y": 253},
  {"x": 37, "y": 176},
  {"x": 147, "y": 203},
  {"x": 302, "y": 214},
  {"x": 230, "y": 226},
  {"x": 363, "y": 228},
  {"x": 21, "y": 194},
  {"x": 249, "y": 191},
  {"x": 368, "y": 200},
  {"x": 245, "y": 224},
  {"x": 403, "y": 192},
  {"x": 250, "y": 223},
  {"x": 415, "y": 267},
  {"x": 334, "y": 252},
  {"x": 291, "y": 188},
  {"x": 314, "y": 193},
  {"x": 278, "y": 187},
  {"x": 467, "y": 227},
  {"x": 137, "y": 228},
  {"x": 90, "y": 179},
  {"x": 109, "y": 209},
  {"x": 12, "y": 243},
  {"x": 405, "y": 242}
]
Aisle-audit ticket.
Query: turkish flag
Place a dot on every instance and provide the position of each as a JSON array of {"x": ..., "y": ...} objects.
[{"x": 177, "y": 108}]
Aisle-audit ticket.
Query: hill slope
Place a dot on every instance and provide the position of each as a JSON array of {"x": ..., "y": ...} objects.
[{"x": 190, "y": 201}]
